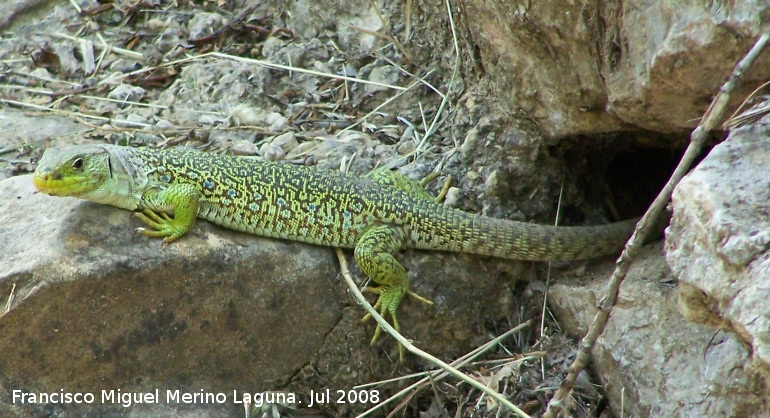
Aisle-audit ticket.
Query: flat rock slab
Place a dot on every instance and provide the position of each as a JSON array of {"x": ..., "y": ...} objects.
[{"x": 96, "y": 308}]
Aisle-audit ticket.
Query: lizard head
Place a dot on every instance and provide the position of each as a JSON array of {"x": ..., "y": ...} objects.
[
  {"x": 98, "y": 173},
  {"x": 74, "y": 171}
]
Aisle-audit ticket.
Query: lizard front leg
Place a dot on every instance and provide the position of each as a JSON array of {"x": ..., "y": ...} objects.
[{"x": 181, "y": 199}]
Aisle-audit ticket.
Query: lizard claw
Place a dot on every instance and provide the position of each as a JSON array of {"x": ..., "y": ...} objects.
[
  {"x": 162, "y": 226},
  {"x": 386, "y": 305}
]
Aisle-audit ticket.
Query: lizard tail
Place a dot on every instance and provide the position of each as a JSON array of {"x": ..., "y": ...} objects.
[
  {"x": 532, "y": 242},
  {"x": 481, "y": 235}
]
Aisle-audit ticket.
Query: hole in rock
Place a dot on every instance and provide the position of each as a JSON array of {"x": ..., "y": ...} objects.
[{"x": 620, "y": 174}]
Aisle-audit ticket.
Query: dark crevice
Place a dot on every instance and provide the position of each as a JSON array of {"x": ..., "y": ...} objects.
[{"x": 619, "y": 174}]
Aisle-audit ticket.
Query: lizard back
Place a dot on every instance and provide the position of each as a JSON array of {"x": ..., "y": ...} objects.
[{"x": 326, "y": 207}]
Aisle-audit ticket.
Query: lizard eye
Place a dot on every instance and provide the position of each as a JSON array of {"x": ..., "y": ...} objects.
[{"x": 77, "y": 164}]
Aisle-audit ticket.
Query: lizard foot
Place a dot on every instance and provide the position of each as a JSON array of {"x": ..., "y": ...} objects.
[
  {"x": 387, "y": 304},
  {"x": 162, "y": 226}
]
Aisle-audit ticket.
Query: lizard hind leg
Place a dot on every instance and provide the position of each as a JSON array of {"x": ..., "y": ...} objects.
[
  {"x": 399, "y": 181},
  {"x": 374, "y": 254}
]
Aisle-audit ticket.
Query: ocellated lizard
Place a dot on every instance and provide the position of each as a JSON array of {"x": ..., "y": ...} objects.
[{"x": 377, "y": 216}]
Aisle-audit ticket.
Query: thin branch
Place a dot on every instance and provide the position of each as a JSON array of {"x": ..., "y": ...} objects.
[{"x": 9, "y": 302}]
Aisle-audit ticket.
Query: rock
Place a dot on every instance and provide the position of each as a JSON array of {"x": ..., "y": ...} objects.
[
  {"x": 96, "y": 308},
  {"x": 246, "y": 116},
  {"x": 661, "y": 77},
  {"x": 133, "y": 121},
  {"x": 530, "y": 75},
  {"x": 383, "y": 74},
  {"x": 243, "y": 147},
  {"x": 295, "y": 54},
  {"x": 279, "y": 146},
  {"x": 205, "y": 24},
  {"x": 651, "y": 360},
  {"x": 275, "y": 122},
  {"x": 162, "y": 125},
  {"x": 717, "y": 242},
  {"x": 586, "y": 67},
  {"x": 250, "y": 116},
  {"x": 127, "y": 93},
  {"x": 311, "y": 19},
  {"x": 272, "y": 152},
  {"x": 287, "y": 141},
  {"x": 41, "y": 73}
]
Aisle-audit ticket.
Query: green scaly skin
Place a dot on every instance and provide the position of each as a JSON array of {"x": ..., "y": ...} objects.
[{"x": 377, "y": 216}]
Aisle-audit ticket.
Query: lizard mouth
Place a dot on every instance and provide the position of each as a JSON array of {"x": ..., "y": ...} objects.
[{"x": 56, "y": 185}]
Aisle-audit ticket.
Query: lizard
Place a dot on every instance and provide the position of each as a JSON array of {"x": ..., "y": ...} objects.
[{"x": 376, "y": 216}]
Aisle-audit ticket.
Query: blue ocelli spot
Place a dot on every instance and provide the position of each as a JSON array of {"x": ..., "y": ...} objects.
[
  {"x": 232, "y": 193},
  {"x": 257, "y": 196},
  {"x": 346, "y": 214},
  {"x": 254, "y": 207},
  {"x": 281, "y": 202},
  {"x": 311, "y": 206},
  {"x": 164, "y": 178},
  {"x": 208, "y": 184},
  {"x": 192, "y": 175}
]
